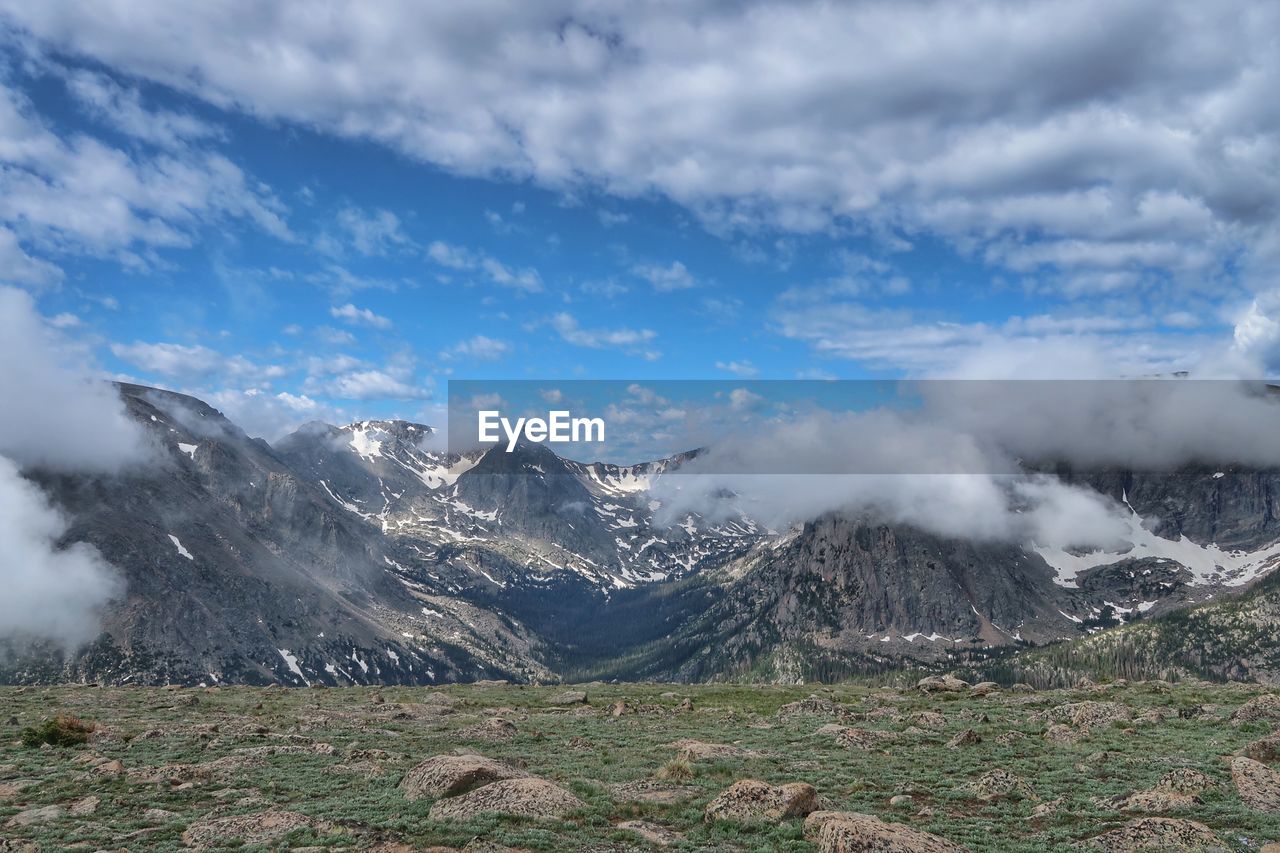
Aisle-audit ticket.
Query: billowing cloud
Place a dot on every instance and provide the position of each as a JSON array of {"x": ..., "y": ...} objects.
[{"x": 1096, "y": 141}]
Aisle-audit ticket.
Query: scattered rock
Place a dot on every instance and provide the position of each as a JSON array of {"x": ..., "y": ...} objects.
[
  {"x": 942, "y": 684},
  {"x": 619, "y": 708},
  {"x": 1010, "y": 738},
  {"x": 652, "y": 791},
  {"x": 813, "y": 705},
  {"x": 1266, "y": 750},
  {"x": 847, "y": 832},
  {"x": 109, "y": 768},
  {"x": 1058, "y": 733},
  {"x": 84, "y": 807},
  {"x": 901, "y": 800},
  {"x": 1264, "y": 707},
  {"x": 928, "y": 720},
  {"x": 37, "y": 815},
  {"x": 450, "y": 775},
  {"x": 657, "y": 835},
  {"x": 1158, "y": 833},
  {"x": 493, "y": 729},
  {"x": 1185, "y": 780},
  {"x": 984, "y": 688},
  {"x": 1257, "y": 784},
  {"x": 696, "y": 750},
  {"x": 570, "y": 697},
  {"x": 850, "y": 738},
  {"x": 751, "y": 800},
  {"x": 1049, "y": 809},
  {"x": 260, "y": 828},
  {"x": 686, "y": 704},
  {"x": 529, "y": 797},
  {"x": 968, "y": 737},
  {"x": 999, "y": 783}
]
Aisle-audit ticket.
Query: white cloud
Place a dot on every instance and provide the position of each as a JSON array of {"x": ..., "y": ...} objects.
[
  {"x": 666, "y": 279},
  {"x": 738, "y": 368},
  {"x": 368, "y": 384},
  {"x": 478, "y": 348},
  {"x": 369, "y": 232},
  {"x": 1122, "y": 133},
  {"x": 493, "y": 270},
  {"x": 193, "y": 362},
  {"x": 359, "y": 316},
  {"x": 122, "y": 108},
  {"x": 634, "y": 341}
]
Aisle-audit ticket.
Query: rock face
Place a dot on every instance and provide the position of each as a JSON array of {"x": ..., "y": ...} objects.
[
  {"x": 750, "y": 800},
  {"x": 534, "y": 798},
  {"x": 450, "y": 775},
  {"x": 1257, "y": 784},
  {"x": 1158, "y": 833},
  {"x": 849, "y": 832}
]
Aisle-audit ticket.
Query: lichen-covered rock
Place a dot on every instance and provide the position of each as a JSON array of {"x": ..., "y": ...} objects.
[
  {"x": 1265, "y": 749},
  {"x": 851, "y": 738},
  {"x": 968, "y": 737},
  {"x": 851, "y": 832},
  {"x": 998, "y": 783},
  {"x": 1257, "y": 784},
  {"x": 1264, "y": 707},
  {"x": 528, "y": 797},
  {"x": 493, "y": 729},
  {"x": 751, "y": 800},
  {"x": 450, "y": 775},
  {"x": 814, "y": 705},
  {"x": 1158, "y": 833},
  {"x": 261, "y": 828},
  {"x": 942, "y": 684}
]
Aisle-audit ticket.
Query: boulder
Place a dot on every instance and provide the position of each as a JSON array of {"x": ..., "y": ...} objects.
[
  {"x": 851, "y": 738},
  {"x": 984, "y": 688},
  {"x": 1264, "y": 707},
  {"x": 851, "y": 832},
  {"x": 999, "y": 783},
  {"x": 942, "y": 684},
  {"x": 1158, "y": 833},
  {"x": 1266, "y": 749},
  {"x": 570, "y": 697},
  {"x": 968, "y": 737},
  {"x": 261, "y": 828},
  {"x": 1257, "y": 784},
  {"x": 527, "y": 797},
  {"x": 750, "y": 800},
  {"x": 450, "y": 775}
]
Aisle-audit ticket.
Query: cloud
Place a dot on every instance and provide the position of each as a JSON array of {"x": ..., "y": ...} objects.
[
  {"x": 359, "y": 316},
  {"x": 193, "y": 362},
  {"x": 368, "y": 232},
  {"x": 744, "y": 369},
  {"x": 466, "y": 260},
  {"x": 633, "y": 341},
  {"x": 1119, "y": 134},
  {"x": 122, "y": 108},
  {"x": 368, "y": 384},
  {"x": 666, "y": 279},
  {"x": 266, "y": 415},
  {"x": 55, "y": 415},
  {"x": 478, "y": 348},
  {"x": 51, "y": 592}
]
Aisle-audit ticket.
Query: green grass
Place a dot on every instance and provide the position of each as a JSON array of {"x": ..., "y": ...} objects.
[{"x": 590, "y": 751}]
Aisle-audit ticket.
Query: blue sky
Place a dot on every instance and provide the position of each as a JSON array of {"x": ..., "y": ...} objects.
[{"x": 328, "y": 213}]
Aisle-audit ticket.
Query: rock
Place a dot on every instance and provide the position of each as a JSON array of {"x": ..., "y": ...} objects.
[
  {"x": 36, "y": 816},
  {"x": 1021, "y": 688},
  {"x": 1185, "y": 780},
  {"x": 657, "y": 835},
  {"x": 1264, "y": 707},
  {"x": 901, "y": 801},
  {"x": 260, "y": 828},
  {"x": 829, "y": 729},
  {"x": 850, "y": 832},
  {"x": 1155, "y": 801},
  {"x": 851, "y": 738},
  {"x": 1257, "y": 784},
  {"x": 1158, "y": 833},
  {"x": 619, "y": 708},
  {"x": 1010, "y": 738},
  {"x": 984, "y": 688},
  {"x": 813, "y": 705},
  {"x": 751, "y": 800},
  {"x": 1049, "y": 809},
  {"x": 86, "y": 806},
  {"x": 1058, "y": 733},
  {"x": 1089, "y": 715},
  {"x": 696, "y": 750},
  {"x": 528, "y": 797},
  {"x": 942, "y": 684},
  {"x": 158, "y": 815},
  {"x": 109, "y": 768},
  {"x": 492, "y": 729},
  {"x": 651, "y": 791},
  {"x": 928, "y": 720},
  {"x": 450, "y": 775},
  {"x": 998, "y": 783},
  {"x": 1266, "y": 749},
  {"x": 686, "y": 704},
  {"x": 968, "y": 737},
  {"x": 570, "y": 697}
]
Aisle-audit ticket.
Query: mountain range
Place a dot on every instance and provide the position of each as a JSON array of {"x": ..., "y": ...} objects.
[{"x": 358, "y": 554}]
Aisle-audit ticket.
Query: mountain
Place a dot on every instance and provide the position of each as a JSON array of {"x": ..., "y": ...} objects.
[{"x": 363, "y": 553}]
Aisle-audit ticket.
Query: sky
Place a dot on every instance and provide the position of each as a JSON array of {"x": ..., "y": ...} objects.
[{"x": 328, "y": 210}]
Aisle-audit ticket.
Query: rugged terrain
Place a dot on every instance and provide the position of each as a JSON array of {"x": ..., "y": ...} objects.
[
  {"x": 362, "y": 554},
  {"x": 632, "y": 766}
]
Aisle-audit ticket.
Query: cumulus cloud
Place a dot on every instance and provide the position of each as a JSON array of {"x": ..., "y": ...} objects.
[
  {"x": 194, "y": 362},
  {"x": 666, "y": 279},
  {"x": 633, "y": 341},
  {"x": 360, "y": 316},
  {"x": 478, "y": 348},
  {"x": 490, "y": 268}
]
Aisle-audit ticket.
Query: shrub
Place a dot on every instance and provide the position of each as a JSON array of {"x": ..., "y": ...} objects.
[
  {"x": 62, "y": 730},
  {"x": 676, "y": 771}
]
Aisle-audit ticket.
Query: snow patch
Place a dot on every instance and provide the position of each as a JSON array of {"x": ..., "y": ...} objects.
[{"x": 183, "y": 551}]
